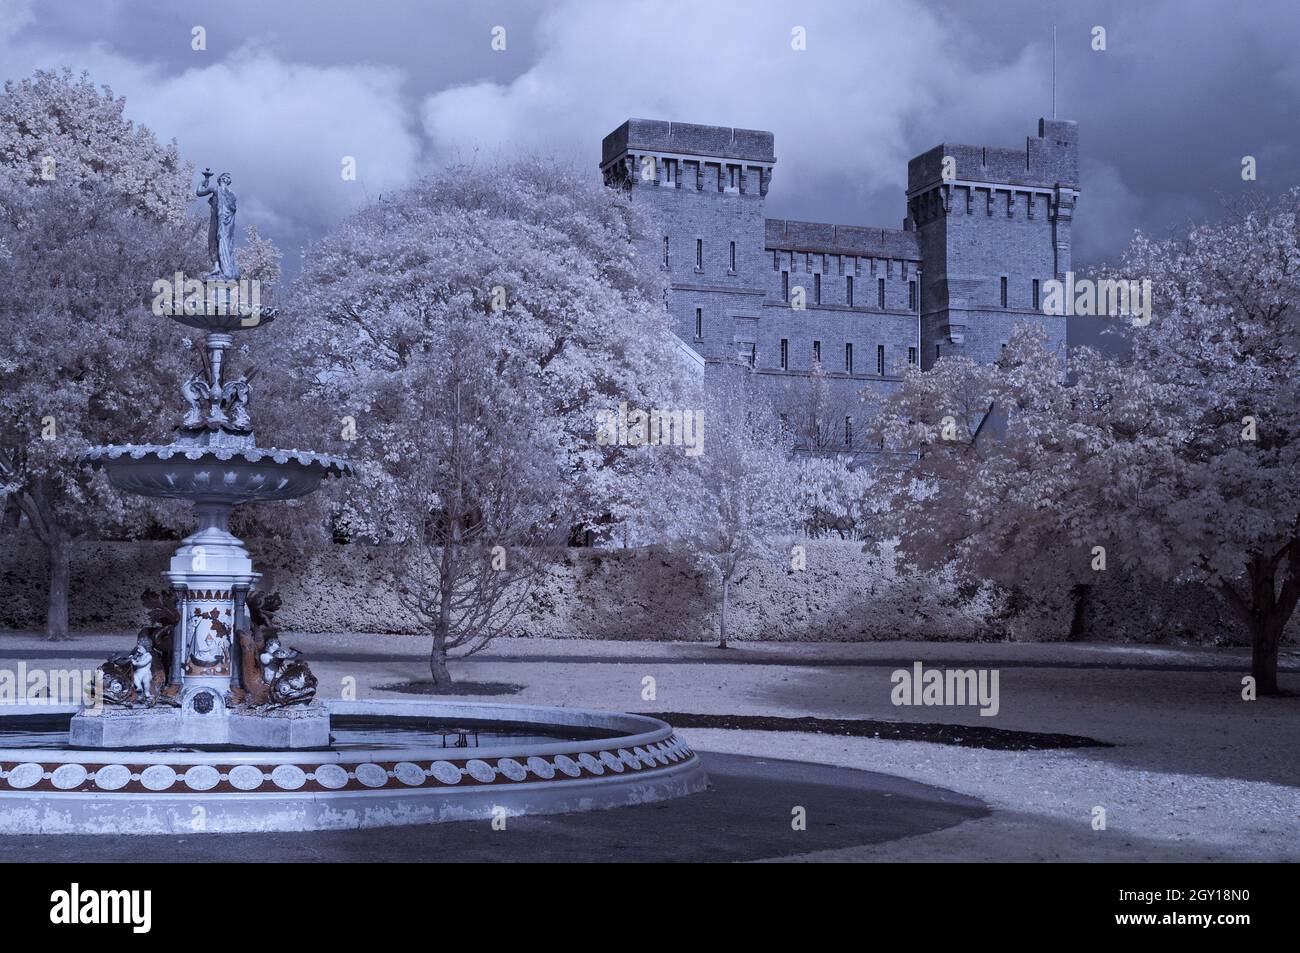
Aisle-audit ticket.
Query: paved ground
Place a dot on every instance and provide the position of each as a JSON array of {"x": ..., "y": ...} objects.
[
  {"x": 745, "y": 815},
  {"x": 1195, "y": 772}
]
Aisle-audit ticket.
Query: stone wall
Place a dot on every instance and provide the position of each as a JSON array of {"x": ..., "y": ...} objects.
[{"x": 844, "y": 595}]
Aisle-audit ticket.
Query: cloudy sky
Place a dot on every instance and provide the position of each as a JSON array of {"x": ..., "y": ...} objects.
[{"x": 286, "y": 88}]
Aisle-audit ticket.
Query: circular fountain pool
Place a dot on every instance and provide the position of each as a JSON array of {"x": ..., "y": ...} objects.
[{"x": 388, "y": 763}]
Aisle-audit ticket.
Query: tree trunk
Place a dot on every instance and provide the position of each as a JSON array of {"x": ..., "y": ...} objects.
[
  {"x": 722, "y": 616},
  {"x": 438, "y": 667},
  {"x": 1081, "y": 593},
  {"x": 1264, "y": 637},
  {"x": 1268, "y": 610},
  {"x": 56, "y": 612}
]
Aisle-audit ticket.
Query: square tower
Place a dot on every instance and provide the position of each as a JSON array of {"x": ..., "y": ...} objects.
[
  {"x": 994, "y": 227},
  {"x": 704, "y": 186}
]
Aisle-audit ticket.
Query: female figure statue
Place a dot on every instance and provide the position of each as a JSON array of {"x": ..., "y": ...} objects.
[{"x": 221, "y": 226}]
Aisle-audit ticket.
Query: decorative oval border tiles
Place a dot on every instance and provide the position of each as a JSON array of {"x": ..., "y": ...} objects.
[{"x": 288, "y": 777}]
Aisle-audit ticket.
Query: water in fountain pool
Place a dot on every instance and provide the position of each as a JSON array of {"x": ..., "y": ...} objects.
[{"x": 347, "y": 733}]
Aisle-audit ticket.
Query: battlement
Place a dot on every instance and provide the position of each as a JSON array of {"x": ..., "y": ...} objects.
[
  {"x": 823, "y": 238},
  {"x": 688, "y": 139},
  {"x": 1048, "y": 160}
]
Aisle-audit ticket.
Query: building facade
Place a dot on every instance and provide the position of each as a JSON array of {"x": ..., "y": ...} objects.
[{"x": 824, "y": 315}]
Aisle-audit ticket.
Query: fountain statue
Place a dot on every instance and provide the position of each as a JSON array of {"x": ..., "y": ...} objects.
[
  {"x": 221, "y": 226},
  {"x": 205, "y": 695}
]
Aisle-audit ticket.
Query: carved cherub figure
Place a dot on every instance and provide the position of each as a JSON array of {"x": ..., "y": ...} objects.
[
  {"x": 289, "y": 679},
  {"x": 273, "y": 656},
  {"x": 141, "y": 660}
]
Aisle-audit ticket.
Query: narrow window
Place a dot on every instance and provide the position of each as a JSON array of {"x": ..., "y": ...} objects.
[
  {"x": 817, "y": 289},
  {"x": 880, "y": 359},
  {"x": 699, "y": 324},
  {"x": 785, "y": 286},
  {"x": 699, "y": 253},
  {"x": 785, "y": 354},
  {"x": 733, "y": 170},
  {"x": 911, "y": 296},
  {"x": 911, "y": 355},
  {"x": 776, "y": 260},
  {"x": 1035, "y": 294},
  {"x": 1004, "y": 291},
  {"x": 817, "y": 352},
  {"x": 848, "y": 431},
  {"x": 665, "y": 251},
  {"x": 880, "y": 292},
  {"x": 848, "y": 291},
  {"x": 733, "y": 256},
  {"x": 848, "y": 358}
]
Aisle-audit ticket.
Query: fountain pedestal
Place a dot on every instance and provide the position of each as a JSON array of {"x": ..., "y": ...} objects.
[
  {"x": 303, "y": 726},
  {"x": 211, "y": 574}
]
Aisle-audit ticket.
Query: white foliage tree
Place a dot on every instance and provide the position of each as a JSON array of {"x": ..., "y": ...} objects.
[
  {"x": 736, "y": 502},
  {"x": 833, "y": 496},
  {"x": 83, "y": 361},
  {"x": 57, "y": 127},
  {"x": 478, "y": 482},
  {"x": 1179, "y": 461},
  {"x": 529, "y": 251},
  {"x": 468, "y": 329}
]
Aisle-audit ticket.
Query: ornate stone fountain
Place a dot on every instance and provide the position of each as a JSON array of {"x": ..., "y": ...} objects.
[
  {"x": 210, "y": 725},
  {"x": 216, "y": 677}
]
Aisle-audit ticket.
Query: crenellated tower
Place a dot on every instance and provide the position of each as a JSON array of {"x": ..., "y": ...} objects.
[
  {"x": 993, "y": 226},
  {"x": 705, "y": 186}
]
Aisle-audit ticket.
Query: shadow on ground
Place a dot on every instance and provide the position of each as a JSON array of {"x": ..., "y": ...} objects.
[{"x": 745, "y": 815}]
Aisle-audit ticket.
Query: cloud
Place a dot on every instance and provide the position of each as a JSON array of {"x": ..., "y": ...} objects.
[
  {"x": 1109, "y": 211},
  {"x": 14, "y": 16},
  {"x": 283, "y": 93},
  {"x": 868, "y": 92},
  {"x": 281, "y": 128},
  {"x": 285, "y": 129}
]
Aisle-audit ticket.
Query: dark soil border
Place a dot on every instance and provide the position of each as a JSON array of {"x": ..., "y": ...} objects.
[
  {"x": 963, "y": 736},
  {"x": 457, "y": 688}
]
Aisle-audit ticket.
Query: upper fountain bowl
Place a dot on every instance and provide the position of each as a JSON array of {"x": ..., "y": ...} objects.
[
  {"x": 214, "y": 474},
  {"x": 213, "y": 321}
]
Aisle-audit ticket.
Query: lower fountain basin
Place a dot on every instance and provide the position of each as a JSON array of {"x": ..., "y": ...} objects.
[{"x": 388, "y": 763}]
